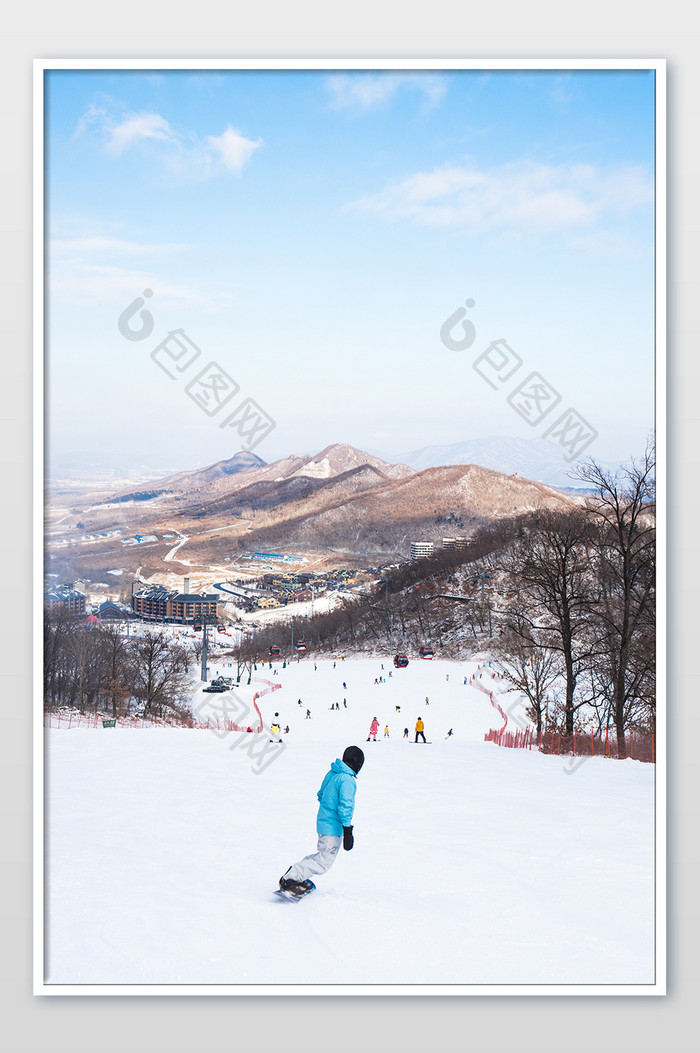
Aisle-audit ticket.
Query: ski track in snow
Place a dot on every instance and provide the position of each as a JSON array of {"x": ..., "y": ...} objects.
[{"x": 472, "y": 864}]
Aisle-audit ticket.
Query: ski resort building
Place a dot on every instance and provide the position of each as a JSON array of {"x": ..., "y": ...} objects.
[
  {"x": 421, "y": 548},
  {"x": 109, "y": 609},
  {"x": 455, "y": 542},
  {"x": 65, "y": 597},
  {"x": 156, "y": 603}
]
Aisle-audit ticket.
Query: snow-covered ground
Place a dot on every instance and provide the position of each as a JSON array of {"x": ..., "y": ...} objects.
[{"x": 472, "y": 864}]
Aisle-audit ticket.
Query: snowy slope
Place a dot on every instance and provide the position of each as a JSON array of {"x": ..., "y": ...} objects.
[{"x": 472, "y": 864}]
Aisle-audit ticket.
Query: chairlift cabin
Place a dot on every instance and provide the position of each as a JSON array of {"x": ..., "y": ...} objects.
[
  {"x": 198, "y": 627},
  {"x": 426, "y": 651},
  {"x": 275, "y": 651},
  {"x": 221, "y": 629},
  {"x": 300, "y": 645},
  {"x": 400, "y": 661}
]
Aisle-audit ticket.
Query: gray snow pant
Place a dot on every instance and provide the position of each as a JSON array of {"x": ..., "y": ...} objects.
[{"x": 318, "y": 863}]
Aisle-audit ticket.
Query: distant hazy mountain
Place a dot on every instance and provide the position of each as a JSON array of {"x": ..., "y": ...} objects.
[
  {"x": 340, "y": 499},
  {"x": 537, "y": 459}
]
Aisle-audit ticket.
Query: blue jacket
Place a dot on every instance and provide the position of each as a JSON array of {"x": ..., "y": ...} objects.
[{"x": 336, "y": 799}]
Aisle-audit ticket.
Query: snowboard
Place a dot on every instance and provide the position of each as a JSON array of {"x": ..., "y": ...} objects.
[{"x": 291, "y": 896}]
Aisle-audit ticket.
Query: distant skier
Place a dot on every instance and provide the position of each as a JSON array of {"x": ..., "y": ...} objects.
[
  {"x": 386, "y": 731},
  {"x": 449, "y": 734},
  {"x": 345, "y": 703},
  {"x": 373, "y": 729},
  {"x": 398, "y": 709},
  {"x": 308, "y": 714},
  {"x": 333, "y": 823},
  {"x": 405, "y": 733},
  {"x": 420, "y": 726},
  {"x": 345, "y": 686},
  {"x": 427, "y": 701}
]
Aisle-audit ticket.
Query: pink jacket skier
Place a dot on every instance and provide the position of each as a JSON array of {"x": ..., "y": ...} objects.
[{"x": 373, "y": 729}]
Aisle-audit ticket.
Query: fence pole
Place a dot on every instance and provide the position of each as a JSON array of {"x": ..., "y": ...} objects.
[
  {"x": 592, "y": 743},
  {"x": 652, "y": 748},
  {"x": 631, "y": 745}
]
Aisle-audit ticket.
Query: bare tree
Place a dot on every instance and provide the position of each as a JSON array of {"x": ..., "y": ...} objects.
[
  {"x": 553, "y": 595},
  {"x": 114, "y": 654},
  {"x": 625, "y": 549},
  {"x": 530, "y": 666},
  {"x": 158, "y": 681}
]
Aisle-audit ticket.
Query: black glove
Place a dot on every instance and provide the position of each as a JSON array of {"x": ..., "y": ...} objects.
[{"x": 348, "y": 839}]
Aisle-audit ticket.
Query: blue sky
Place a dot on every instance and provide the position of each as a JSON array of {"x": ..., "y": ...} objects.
[{"x": 311, "y": 231}]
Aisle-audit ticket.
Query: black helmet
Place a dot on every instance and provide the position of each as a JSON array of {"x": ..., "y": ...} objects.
[{"x": 354, "y": 758}]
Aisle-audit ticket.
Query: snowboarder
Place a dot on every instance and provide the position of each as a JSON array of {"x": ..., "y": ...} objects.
[
  {"x": 308, "y": 714},
  {"x": 405, "y": 733},
  {"x": 275, "y": 728},
  {"x": 386, "y": 731},
  {"x": 373, "y": 729},
  {"x": 419, "y": 729},
  {"x": 286, "y": 730},
  {"x": 333, "y": 823}
]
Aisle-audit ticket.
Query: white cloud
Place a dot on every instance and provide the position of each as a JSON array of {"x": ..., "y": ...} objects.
[
  {"x": 183, "y": 152},
  {"x": 360, "y": 90},
  {"x": 138, "y": 128},
  {"x": 232, "y": 148},
  {"x": 521, "y": 197},
  {"x": 109, "y": 246},
  {"x": 564, "y": 90},
  {"x": 87, "y": 283}
]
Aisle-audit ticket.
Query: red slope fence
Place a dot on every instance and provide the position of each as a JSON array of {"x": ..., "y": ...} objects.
[{"x": 639, "y": 745}]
